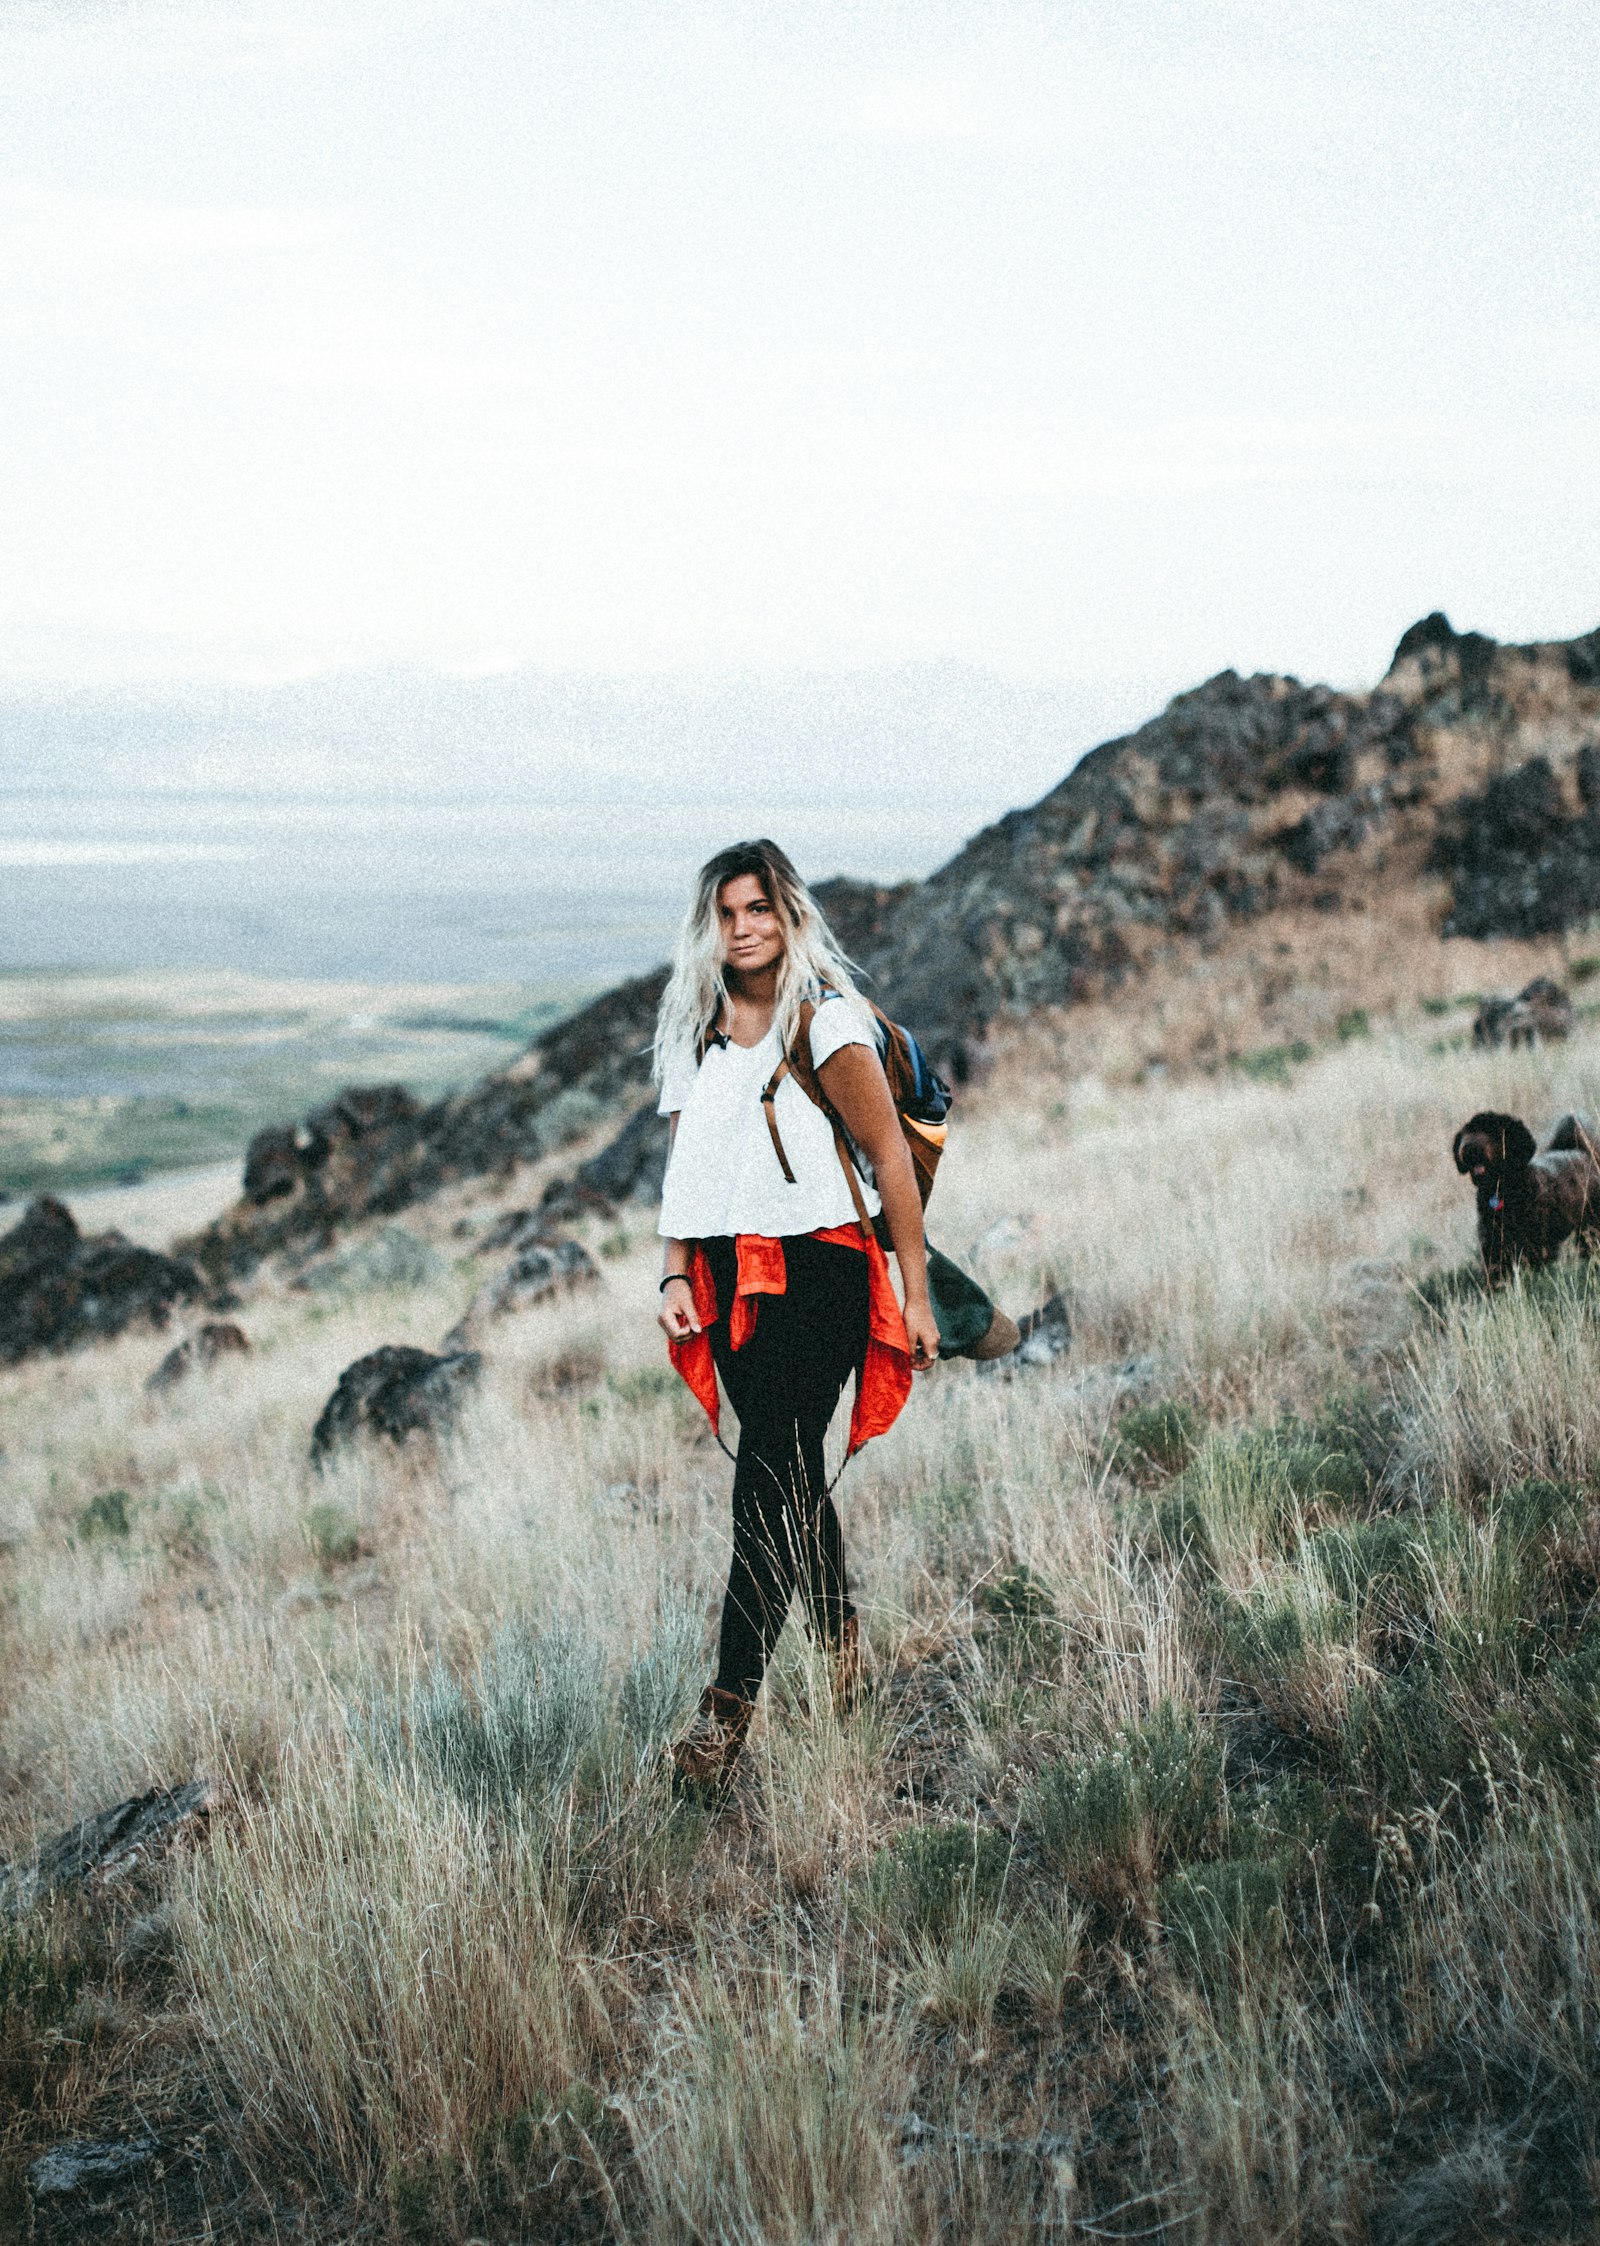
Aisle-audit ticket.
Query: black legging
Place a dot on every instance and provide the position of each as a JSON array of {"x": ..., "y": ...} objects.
[{"x": 784, "y": 1384}]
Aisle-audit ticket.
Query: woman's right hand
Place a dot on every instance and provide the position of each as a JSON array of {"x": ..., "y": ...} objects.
[{"x": 676, "y": 1317}]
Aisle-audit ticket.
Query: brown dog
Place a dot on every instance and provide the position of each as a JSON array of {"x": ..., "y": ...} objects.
[{"x": 1530, "y": 1198}]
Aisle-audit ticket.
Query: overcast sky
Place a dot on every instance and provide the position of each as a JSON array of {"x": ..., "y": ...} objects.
[{"x": 1098, "y": 346}]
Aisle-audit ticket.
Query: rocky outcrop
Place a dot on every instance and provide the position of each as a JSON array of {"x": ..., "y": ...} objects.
[
  {"x": 57, "y": 1288},
  {"x": 217, "y": 1339},
  {"x": 633, "y": 1165},
  {"x": 1227, "y": 804},
  {"x": 1523, "y": 854},
  {"x": 110, "y": 1844},
  {"x": 374, "y": 1150},
  {"x": 396, "y": 1392},
  {"x": 1539, "y": 1013},
  {"x": 1469, "y": 759}
]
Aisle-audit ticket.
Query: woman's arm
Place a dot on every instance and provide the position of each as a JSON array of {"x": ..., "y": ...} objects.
[
  {"x": 676, "y": 1316},
  {"x": 859, "y": 1092}
]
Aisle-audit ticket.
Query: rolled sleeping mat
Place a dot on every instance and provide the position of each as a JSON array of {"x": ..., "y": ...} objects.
[{"x": 969, "y": 1323}]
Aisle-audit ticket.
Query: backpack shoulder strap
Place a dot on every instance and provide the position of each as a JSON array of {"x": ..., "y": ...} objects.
[
  {"x": 708, "y": 1037},
  {"x": 797, "y": 1062},
  {"x": 790, "y": 1064}
]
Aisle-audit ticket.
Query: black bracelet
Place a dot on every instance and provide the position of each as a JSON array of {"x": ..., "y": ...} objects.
[{"x": 671, "y": 1275}]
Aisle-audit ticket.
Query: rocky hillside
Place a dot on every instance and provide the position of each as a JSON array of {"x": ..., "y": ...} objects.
[
  {"x": 1469, "y": 774},
  {"x": 1472, "y": 766}
]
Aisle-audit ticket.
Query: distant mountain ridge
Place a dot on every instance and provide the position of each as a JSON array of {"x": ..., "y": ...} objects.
[{"x": 1472, "y": 770}]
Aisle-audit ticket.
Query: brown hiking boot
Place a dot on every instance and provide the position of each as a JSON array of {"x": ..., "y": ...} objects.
[
  {"x": 703, "y": 1758},
  {"x": 849, "y": 1666}
]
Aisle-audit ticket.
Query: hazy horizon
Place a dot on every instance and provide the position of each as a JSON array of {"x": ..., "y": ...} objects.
[
  {"x": 620, "y": 428},
  {"x": 516, "y": 828}
]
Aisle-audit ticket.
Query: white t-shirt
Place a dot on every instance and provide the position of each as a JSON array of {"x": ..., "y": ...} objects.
[{"x": 723, "y": 1175}]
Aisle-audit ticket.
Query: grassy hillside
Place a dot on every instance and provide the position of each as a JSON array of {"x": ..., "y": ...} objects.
[{"x": 1215, "y": 1857}]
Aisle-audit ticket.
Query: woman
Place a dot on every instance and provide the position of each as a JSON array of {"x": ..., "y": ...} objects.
[{"x": 772, "y": 1275}]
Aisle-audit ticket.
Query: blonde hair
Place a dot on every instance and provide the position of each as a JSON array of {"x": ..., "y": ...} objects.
[{"x": 812, "y": 960}]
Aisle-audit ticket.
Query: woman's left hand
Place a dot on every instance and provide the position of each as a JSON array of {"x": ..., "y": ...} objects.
[{"x": 922, "y": 1331}]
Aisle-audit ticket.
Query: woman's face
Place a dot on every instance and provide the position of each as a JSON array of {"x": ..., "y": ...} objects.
[{"x": 751, "y": 936}]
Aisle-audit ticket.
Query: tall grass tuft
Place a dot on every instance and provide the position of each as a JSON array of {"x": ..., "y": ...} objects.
[
  {"x": 381, "y": 1978},
  {"x": 770, "y": 2111},
  {"x": 1507, "y": 1390}
]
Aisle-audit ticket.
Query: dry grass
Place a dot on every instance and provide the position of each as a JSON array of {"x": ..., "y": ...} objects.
[{"x": 1215, "y": 1855}]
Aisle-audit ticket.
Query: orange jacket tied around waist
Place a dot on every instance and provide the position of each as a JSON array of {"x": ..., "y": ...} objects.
[{"x": 884, "y": 1381}]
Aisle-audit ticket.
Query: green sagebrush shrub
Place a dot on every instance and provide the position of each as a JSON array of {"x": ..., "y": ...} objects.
[
  {"x": 1227, "y": 1919},
  {"x": 537, "y": 1712},
  {"x": 1564, "y": 1733},
  {"x": 1257, "y": 1490},
  {"x": 1160, "y": 1437},
  {"x": 331, "y": 1533},
  {"x": 662, "y": 1681},
  {"x": 1442, "y": 1618},
  {"x": 932, "y": 1876},
  {"x": 1252, "y": 1491},
  {"x": 106, "y": 1515},
  {"x": 1017, "y": 1597},
  {"x": 1113, "y": 1821},
  {"x": 514, "y": 1733}
]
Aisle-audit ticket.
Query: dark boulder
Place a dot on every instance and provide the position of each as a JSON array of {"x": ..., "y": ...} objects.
[
  {"x": 1540, "y": 1013},
  {"x": 57, "y": 1288},
  {"x": 515, "y": 1228},
  {"x": 109, "y": 1843},
  {"x": 633, "y": 1166},
  {"x": 1434, "y": 631},
  {"x": 537, "y": 1272},
  {"x": 1338, "y": 824},
  {"x": 1583, "y": 659},
  {"x": 540, "y": 1271},
  {"x": 271, "y": 1164},
  {"x": 565, "y": 1201},
  {"x": 396, "y": 1392},
  {"x": 89, "y": 2167},
  {"x": 1046, "y": 1333},
  {"x": 1587, "y": 768},
  {"x": 1044, "y": 1338},
  {"x": 358, "y": 1112},
  {"x": 218, "y": 1338},
  {"x": 45, "y": 1240},
  {"x": 111, "y": 1838},
  {"x": 1464, "y": 659}
]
